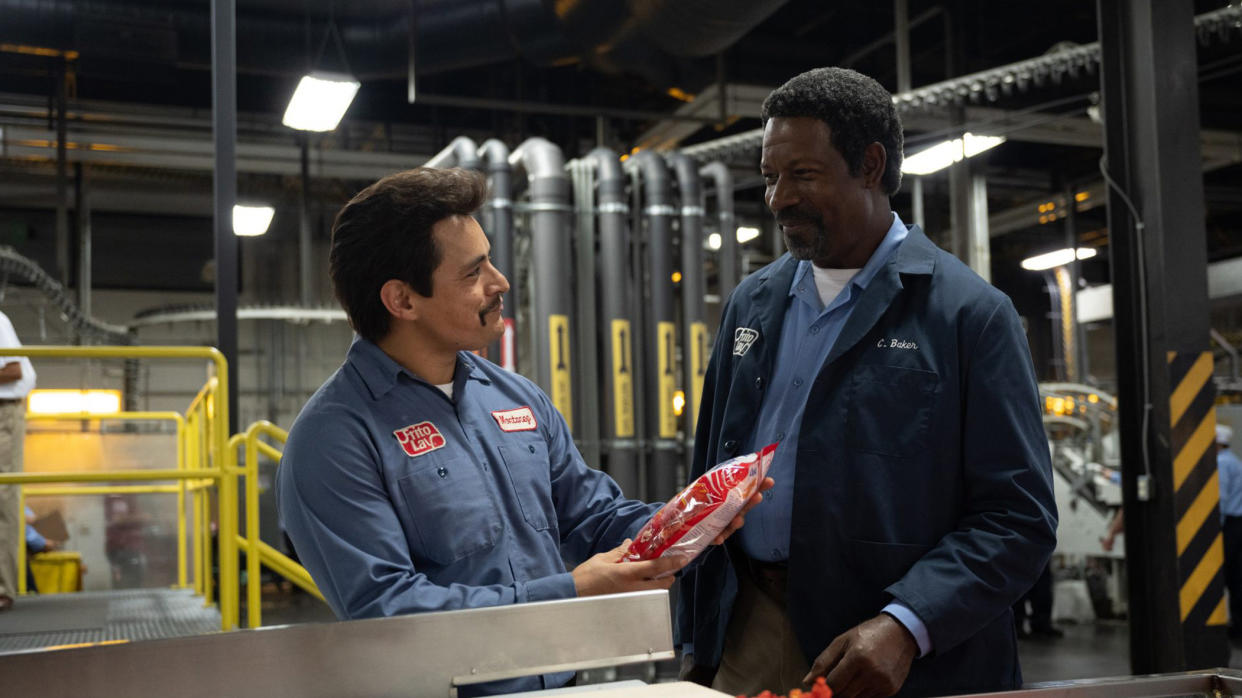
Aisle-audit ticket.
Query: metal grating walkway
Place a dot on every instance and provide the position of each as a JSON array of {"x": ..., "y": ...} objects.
[{"x": 99, "y": 616}]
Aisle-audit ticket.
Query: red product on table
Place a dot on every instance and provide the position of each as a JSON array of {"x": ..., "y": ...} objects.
[{"x": 689, "y": 522}]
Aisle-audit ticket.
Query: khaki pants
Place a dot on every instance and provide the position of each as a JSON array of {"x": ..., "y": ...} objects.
[
  {"x": 12, "y": 520},
  {"x": 760, "y": 651}
]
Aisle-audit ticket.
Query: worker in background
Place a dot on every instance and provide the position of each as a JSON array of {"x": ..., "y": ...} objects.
[
  {"x": 913, "y": 502},
  {"x": 1229, "y": 468},
  {"x": 17, "y": 379},
  {"x": 35, "y": 543},
  {"x": 420, "y": 477}
]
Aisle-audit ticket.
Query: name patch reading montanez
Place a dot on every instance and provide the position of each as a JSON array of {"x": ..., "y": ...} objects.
[
  {"x": 420, "y": 438},
  {"x": 520, "y": 419}
]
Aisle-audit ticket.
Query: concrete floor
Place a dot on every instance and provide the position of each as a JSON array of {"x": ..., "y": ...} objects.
[{"x": 1092, "y": 650}]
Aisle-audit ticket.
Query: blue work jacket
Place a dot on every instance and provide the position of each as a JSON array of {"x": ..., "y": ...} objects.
[{"x": 922, "y": 470}]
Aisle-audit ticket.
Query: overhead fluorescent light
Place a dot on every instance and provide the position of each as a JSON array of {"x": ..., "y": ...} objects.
[
  {"x": 43, "y": 401},
  {"x": 252, "y": 220},
  {"x": 320, "y": 101},
  {"x": 1057, "y": 258},
  {"x": 946, "y": 153},
  {"x": 746, "y": 234}
]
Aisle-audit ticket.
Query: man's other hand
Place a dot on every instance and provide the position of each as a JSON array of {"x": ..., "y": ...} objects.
[
  {"x": 606, "y": 574},
  {"x": 870, "y": 660},
  {"x": 740, "y": 519}
]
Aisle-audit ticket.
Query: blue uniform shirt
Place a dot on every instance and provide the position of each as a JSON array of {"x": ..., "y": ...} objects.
[
  {"x": 807, "y": 335},
  {"x": 400, "y": 500},
  {"x": 1230, "y": 468}
]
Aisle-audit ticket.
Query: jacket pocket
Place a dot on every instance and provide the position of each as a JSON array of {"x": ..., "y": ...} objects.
[
  {"x": 529, "y": 471},
  {"x": 890, "y": 409},
  {"x": 452, "y": 509},
  {"x": 883, "y": 564}
]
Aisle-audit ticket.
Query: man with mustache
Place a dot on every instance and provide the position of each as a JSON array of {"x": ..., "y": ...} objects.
[
  {"x": 913, "y": 503},
  {"x": 420, "y": 477}
]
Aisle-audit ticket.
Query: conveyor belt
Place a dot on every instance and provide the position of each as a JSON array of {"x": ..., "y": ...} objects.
[{"x": 99, "y": 616}]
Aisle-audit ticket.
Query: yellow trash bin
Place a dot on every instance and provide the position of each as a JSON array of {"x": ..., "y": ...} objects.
[{"x": 57, "y": 572}]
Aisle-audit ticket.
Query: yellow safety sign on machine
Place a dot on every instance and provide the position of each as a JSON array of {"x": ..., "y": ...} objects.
[
  {"x": 699, "y": 352},
  {"x": 665, "y": 333},
  {"x": 622, "y": 378},
  {"x": 558, "y": 340}
]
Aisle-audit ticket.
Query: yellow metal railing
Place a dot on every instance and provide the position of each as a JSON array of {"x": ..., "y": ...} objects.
[
  {"x": 201, "y": 466},
  {"x": 258, "y": 552},
  {"x": 206, "y": 460}
]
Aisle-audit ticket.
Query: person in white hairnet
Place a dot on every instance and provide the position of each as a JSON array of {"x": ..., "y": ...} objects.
[{"x": 1230, "y": 469}]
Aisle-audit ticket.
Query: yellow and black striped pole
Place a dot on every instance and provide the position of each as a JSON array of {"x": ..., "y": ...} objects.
[{"x": 1196, "y": 499}]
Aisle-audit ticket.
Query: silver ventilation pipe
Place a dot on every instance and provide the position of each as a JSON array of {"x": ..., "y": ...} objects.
[
  {"x": 695, "y": 345},
  {"x": 616, "y": 333},
  {"x": 497, "y": 217},
  {"x": 540, "y": 164},
  {"x": 726, "y": 269},
  {"x": 660, "y": 328},
  {"x": 461, "y": 152}
]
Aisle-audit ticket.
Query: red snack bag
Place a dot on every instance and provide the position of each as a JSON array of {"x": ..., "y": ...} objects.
[{"x": 688, "y": 523}]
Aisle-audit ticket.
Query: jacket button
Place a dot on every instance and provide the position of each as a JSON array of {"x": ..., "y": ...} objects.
[
  {"x": 442, "y": 472},
  {"x": 730, "y": 446},
  {"x": 531, "y": 447},
  {"x": 759, "y": 383}
]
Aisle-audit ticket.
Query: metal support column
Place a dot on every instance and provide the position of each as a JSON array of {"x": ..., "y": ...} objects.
[
  {"x": 916, "y": 202},
  {"x": 305, "y": 294},
  {"x": 1164, "y": 366},
  {"x": 224, "y": 132},
  {"x": 84, "y": 240},
  {"x": 62, "y": 175},
  {"x": 1075, "y": 366},
  {"x": 979, "y": 245}
]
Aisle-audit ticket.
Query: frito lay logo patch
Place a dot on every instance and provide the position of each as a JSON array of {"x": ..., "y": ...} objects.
[
  {"x": 520, "y": 419},
  {"x": 420, "y": 438},
  {"x": 743, "y": 338}
]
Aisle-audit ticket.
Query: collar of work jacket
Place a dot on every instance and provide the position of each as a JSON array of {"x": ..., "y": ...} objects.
[{"x": 915, "y": 256}]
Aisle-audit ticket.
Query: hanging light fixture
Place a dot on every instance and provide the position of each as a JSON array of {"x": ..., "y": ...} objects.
[{"x": 322, "y": 97}]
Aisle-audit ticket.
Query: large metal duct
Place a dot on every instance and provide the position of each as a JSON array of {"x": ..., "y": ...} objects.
[
  {"x": 497, "y": 216},
  {"x": 659, "y": 349},
  {"x": 540, "y": 164},
  {"x": 694, "y": 341},
  {"x": 448, "y": 34},
  {"x": 617, "y": 326},
  {"x": 461, "y": 152},
  {"x": 726, "y": 269}
]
